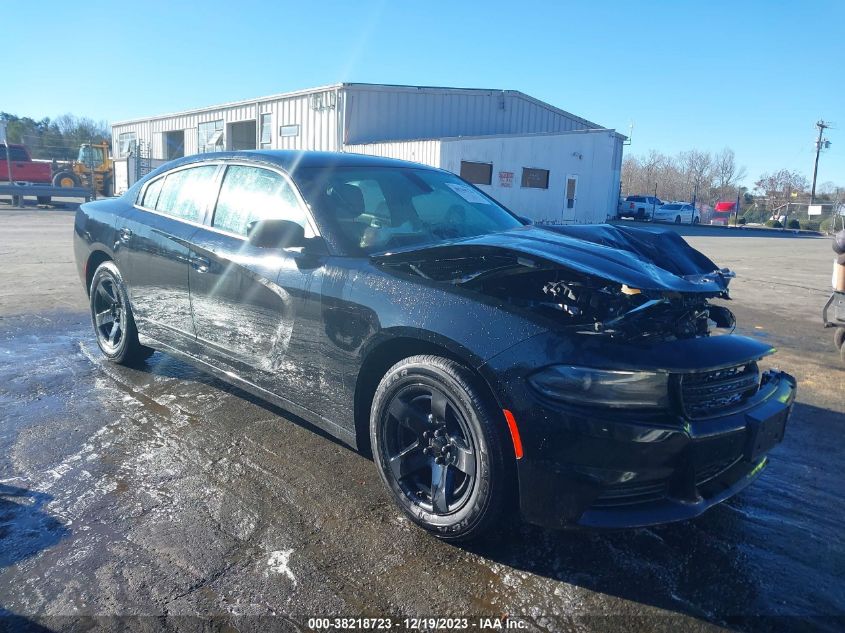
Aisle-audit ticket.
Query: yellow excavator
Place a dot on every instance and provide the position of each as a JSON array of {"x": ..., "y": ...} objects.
[{"x": 94, "y": 161}]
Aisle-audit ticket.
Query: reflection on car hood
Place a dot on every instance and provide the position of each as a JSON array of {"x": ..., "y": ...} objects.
[{"x": 659, "y": 260}]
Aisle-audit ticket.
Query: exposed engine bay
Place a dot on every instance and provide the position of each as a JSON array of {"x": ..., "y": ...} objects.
[
  {"x": 585, "y": 303},
  {"x": 657, "y": 286}
]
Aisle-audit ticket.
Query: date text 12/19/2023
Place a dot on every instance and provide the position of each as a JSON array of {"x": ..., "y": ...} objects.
[{"x": 416, "y": 624}]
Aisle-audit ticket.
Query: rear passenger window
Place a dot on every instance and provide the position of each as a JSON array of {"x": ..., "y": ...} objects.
[
  {"x": 185, "y": 192},
  {"x": 151, "y": 193},
  {"x": 251, "y": 194},
  {"x": 15, "y": 154}
]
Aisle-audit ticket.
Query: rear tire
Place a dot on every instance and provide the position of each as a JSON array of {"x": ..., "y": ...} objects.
[
  {"x": 111, "y": 316},
  {"x": 439, "y": 448}
]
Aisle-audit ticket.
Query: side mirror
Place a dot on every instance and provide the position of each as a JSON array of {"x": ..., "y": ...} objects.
[{"x": 275, "y": 234}]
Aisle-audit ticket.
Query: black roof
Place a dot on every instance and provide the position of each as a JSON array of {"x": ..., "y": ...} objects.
[{"x": 290, "y": 160}]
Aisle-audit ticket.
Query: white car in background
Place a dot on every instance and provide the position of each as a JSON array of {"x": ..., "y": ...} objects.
[{"x": 677, "y": 212}]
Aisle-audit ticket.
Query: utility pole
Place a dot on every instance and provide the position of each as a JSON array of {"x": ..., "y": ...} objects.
[
  {"x": 5, "y": 139},
  {"x": 819, "y": 143},
  {"x": 654, "y": 202}
]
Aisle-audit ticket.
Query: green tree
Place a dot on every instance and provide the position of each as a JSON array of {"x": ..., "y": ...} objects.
[{"x": 59, "y": 138}]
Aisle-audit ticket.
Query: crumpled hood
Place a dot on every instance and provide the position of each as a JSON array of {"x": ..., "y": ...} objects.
[{"x": 658, "y": 260}]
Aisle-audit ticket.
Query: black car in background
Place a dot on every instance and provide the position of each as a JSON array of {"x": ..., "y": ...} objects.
[{"x": 574, "y": 373}]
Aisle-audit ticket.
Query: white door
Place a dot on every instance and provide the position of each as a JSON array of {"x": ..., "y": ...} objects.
[{"x": 570, "y": 199}]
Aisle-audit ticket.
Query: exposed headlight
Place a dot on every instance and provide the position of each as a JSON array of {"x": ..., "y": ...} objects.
[{"x": 581, "y": 385}]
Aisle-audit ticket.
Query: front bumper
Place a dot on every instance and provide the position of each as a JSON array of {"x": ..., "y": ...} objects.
[{"x": 601, "y": 469}]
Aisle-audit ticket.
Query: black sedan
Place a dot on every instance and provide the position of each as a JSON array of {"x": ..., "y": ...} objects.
[{"x": 580, "y": 374}]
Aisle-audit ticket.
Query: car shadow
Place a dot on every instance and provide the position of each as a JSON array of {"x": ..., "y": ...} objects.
[
  {"x": 25, "y": 526},
  {"x": 26, "y": 529}
]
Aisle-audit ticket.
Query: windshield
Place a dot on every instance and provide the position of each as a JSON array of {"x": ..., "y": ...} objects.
[
  {"x": 374, "y": 209},
  {"x": 90, "y": 155}
]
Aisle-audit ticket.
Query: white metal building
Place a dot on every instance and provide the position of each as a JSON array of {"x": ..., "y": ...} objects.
[{"x": 538, "y": 160}]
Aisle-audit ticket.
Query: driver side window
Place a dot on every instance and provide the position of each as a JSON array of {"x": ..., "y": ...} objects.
[{"x": 250, "y": 194}]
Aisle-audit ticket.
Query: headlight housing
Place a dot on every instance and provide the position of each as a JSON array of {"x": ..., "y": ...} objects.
[{"x": 619, "y": 389}]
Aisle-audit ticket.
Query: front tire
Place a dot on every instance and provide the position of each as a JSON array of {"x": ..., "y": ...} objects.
[
  {"x": 111, "y": 316},
  {"x": 438, "y": 448},
  {"x": 66, "y": 179}
]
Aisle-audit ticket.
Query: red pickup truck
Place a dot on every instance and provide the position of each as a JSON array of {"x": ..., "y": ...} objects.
[{"x": 24, "y": 169}]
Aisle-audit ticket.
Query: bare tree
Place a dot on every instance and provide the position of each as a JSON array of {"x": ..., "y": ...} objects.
[
  {"x": 726, "y": 173},
  {"x": 697, "y": 167},
  {"x": 690, "y": 173},
  {"x": 780, "y": 185}
]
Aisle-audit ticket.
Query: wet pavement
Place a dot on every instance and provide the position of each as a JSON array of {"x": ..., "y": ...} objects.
[{"x": 160, "y": 494}]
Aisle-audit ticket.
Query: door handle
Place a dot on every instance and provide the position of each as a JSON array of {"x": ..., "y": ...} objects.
[
  {"x": 125, "y": 235},
  {"x": 199, "y": 264}
]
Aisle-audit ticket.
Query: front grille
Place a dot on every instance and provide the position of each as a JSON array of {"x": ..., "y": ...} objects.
[
  {"x": 708, "y": 393},
  {"x": 631, "y": 493}
]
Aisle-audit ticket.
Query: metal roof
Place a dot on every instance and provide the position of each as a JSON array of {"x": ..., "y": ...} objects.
[
  {"x": 385, "y": 87},
  {"x": 231, "y": 104}
]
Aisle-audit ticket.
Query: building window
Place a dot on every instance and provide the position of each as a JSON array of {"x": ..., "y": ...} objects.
[
  {"x": 174, "y": 144},
  {"x": 289, "y": 130},
  {"x": 535, "y": 178},
  {"x": 126, "y": 142},
  {"x": 266, "y": 131},
  {"x": 571, "y": 185},
  {"x": 210, "y": 136},
  {"x": 323, "y": 101},
  {"x": 477, "y": 173}
]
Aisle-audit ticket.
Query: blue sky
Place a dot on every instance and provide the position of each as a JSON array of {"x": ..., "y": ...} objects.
[{"x": 754, "y": 76}]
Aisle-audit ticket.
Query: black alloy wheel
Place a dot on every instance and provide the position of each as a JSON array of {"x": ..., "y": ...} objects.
[
  {"x": 437, "y": 448},
  {"x": 112, "y": 318},
  {"x": 109, "y": 316}
]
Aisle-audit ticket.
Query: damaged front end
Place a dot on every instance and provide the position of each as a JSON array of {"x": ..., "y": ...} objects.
[{"x": 630, "y": 284}]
